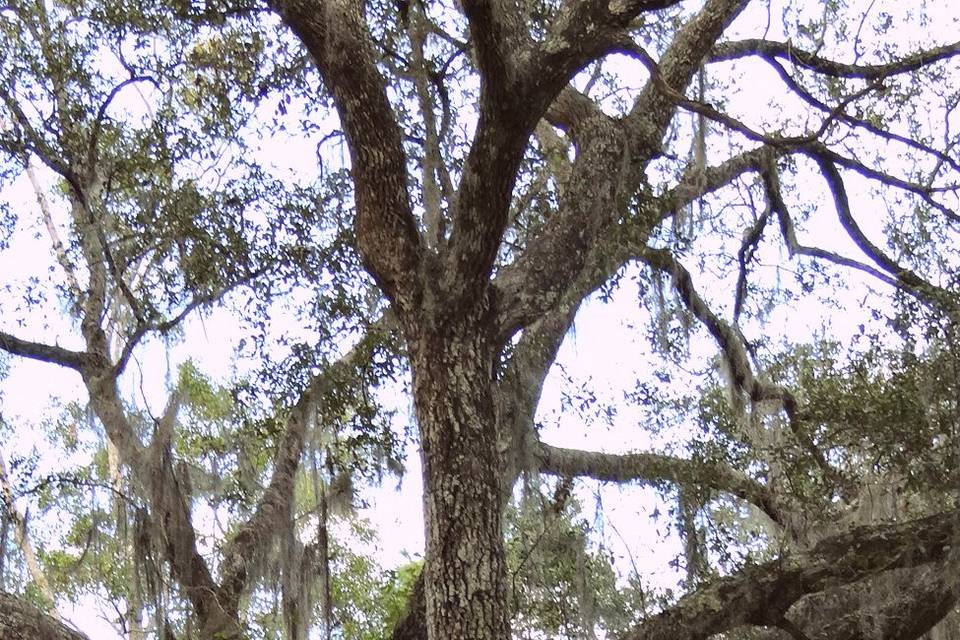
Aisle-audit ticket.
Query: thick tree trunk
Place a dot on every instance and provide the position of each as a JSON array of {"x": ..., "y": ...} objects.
[{"x": 453, "y": 360}]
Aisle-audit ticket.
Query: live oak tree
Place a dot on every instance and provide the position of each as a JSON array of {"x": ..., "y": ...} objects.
[{"x": 504, "y": 161}]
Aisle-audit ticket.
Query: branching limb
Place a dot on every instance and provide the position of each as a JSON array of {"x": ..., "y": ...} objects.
[
  {"x": 551, "y": 270},
  {"x": 925, "y": 193},
  {"x": 942, "y": 156},
  {"x": 162, "y": 326},
  {"x": 677, "y": 98},
  {"x": 585, "y": 30},
  {"x": 35, "y": 143},
  {"x": 255, "y": 535},
  {"x": 594, "y": 196},
  {"x": 656, "y": 105},
  {"x": 906, "y": 278},
  {"x": 609, "y": 167},
  {"x": 737, "y": 360},
  {"x": 771, "y": 183}
]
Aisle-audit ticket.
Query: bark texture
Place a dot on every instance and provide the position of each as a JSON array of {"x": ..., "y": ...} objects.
[
  {"x": 465, "y": 584},
  {"x": 20, "y": 620}
]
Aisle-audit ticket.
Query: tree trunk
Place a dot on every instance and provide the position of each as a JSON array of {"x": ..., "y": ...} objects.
[{"x": 453, "y": 360}]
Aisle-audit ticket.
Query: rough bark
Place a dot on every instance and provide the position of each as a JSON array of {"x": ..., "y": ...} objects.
[
  {"x": 763, "y": 594},
  {"x": 387, "y": 236},
  {"x": 20, "y": 620},
  {"x": 904, "y": 603},
  {"x": 465, "y": 586}
]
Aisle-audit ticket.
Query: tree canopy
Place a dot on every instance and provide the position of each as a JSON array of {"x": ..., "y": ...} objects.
[{"x": 392, "y": 214}]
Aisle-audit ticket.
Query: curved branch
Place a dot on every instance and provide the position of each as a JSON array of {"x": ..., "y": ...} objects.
[
  {"x": 585, "y": 30},
  {"x": 861, "y": 123},
  {"x": 102, "y": 113},
  {"x": 654, "y": 108},
  {"x": 736, "y": 359},
  {"x": 770, "y": 49},
  {"x": 654, "y": 468},
  {"x": 908, "y": 279},
  {"x": 388, "y": 240},
  {"x": 771, "y": 184}
]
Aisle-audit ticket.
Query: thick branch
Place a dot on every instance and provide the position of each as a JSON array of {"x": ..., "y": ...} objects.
[
  {"x": 509, "y": 110},
  {"x": 498, "y": 37},
  {"x": 585, "y": 30},
  {"x": 43, "y": 352},
  {"x": 654, "y": 109},
  {"x": 596, "y": 195},
  {"x": 387, "y": 237},
  {"x": 560, "y": 262},
  {"x": 518, "y": 393},
  {"x": 20, "y": 620},
  {"x": 903, "y": 604},
  {"x": 654, "y": 468},
  {"x": 762, "y": 594},
  {"x": 606, "y": 173}
]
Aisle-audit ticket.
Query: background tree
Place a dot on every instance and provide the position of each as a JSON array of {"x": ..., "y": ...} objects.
[{"x": 504, "y": 161}]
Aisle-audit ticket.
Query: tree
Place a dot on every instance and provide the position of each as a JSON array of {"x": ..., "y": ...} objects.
[{"x": 504, "y": 165}]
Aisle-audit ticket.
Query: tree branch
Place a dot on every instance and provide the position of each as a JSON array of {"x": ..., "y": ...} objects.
[
  {"x": 771, "y": 183},
  {"x": 654, "y": 468},
  {"x": 255, "y": 535},
  {"x": 908, "y": 279},
  {"x": 903, "y": 603},
  {"x": 738, "y": 363},
  {"x": 53, "y": 354},
  {"x": 9, "y": 512},
  {"x": 762, "y": 594},
  {"x": 609, "y": 166},
  {"x": 388, "y": 240},
  {"x": 20, "y": 620},
  {"x": 654, "y": 108},
  {"x": 770, "y": 49},
  {"x": 560, "y": 262},
  {"x": 585, "y": 30}
]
